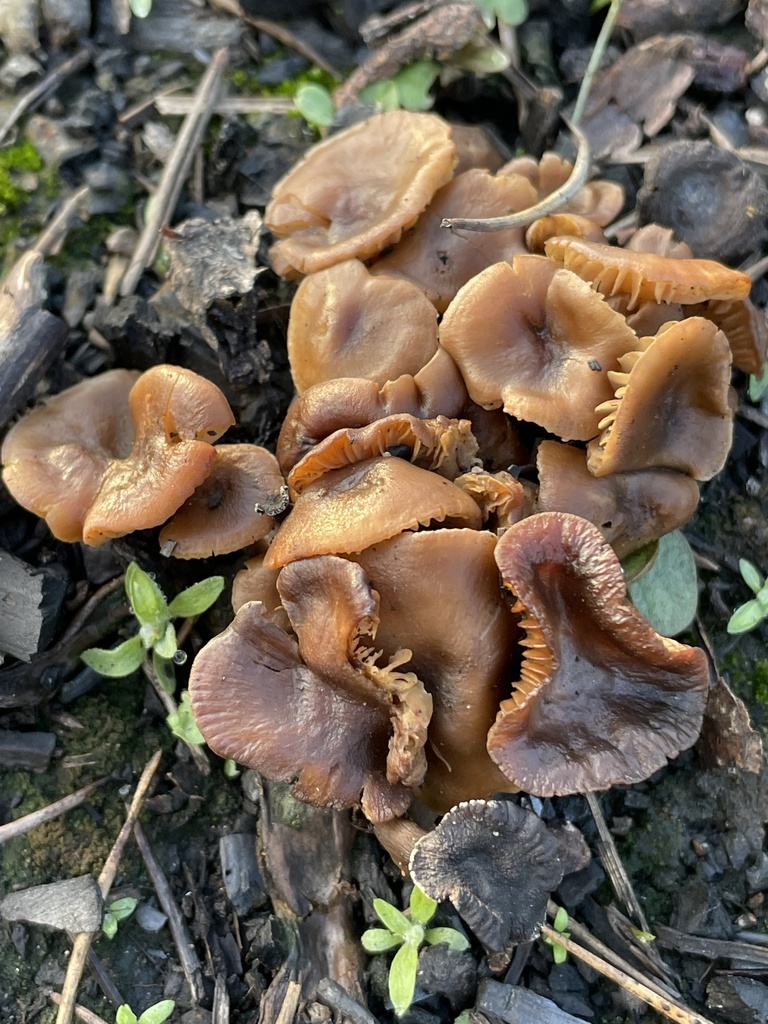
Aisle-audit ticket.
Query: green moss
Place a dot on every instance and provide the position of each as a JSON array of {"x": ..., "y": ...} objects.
[{"x": 247, "y": 82}]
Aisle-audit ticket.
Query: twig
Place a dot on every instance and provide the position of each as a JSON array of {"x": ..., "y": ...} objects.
[
  {"x": 756, "y": 271},
  {"x": 333, "y": 995},
  {"x": 29, "y": 821},
  {"x": 595, "y": 61},
  {"x": 87, "y": 1016},
  {"x": 753, "y": 415},
  {"x": 181, "y": 937},
  {"x": 104, "y": 979},
  {"x": 38, "y": 92},
  {"x": 178, "y": 105},
  {"x": 550, "y": 204},
  {"x": 82, "y": 941},
  {"x": 674, "y": 1011},
  {"x": 50, "y": 241},
  {"x": 614, "y": 866},
  {"x": 84, "y": 612},
  {"x": 175, "y": 171},
  {"x": 220, "y": 1009},
  {"x": 171, "y": 707}
]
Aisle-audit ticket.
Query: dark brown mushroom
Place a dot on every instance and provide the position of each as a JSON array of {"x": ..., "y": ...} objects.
[{"x": 602, "y": 699}]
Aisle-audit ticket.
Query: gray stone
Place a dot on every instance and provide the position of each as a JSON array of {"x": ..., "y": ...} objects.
[
  {"x": 150, "y": 918},
  {"x": 73, "y": 905}
]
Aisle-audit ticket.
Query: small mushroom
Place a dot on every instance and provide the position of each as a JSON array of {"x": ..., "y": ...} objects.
[
  {"x": 255, "y": 583},
  {"x": 743, "y": 324},
  {"x": 355, "y": 193},
  {"x": 541, "y": 230},
  {"x": 600, "y": 201},
  {"x": 227, "y": 511},
  {"x": 501, "y": 498},
  {"x": 602, "y": 699}
]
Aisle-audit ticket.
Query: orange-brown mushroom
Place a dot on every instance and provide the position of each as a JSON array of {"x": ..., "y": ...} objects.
[
  {"x": 601, "y": 201},
  {"x": 355, "y": 193},
  {"x": 348, "y": 510},
  {"x": 256, "y": 583},
  {"x": 743, "y": 324},
  {"x": 602, "y": 699},
  {"x": 475, "y": 148},
  {"x": 346, "y": 323},
  {"x": 671, "y": 409},
  {"x": 541, "y": 230},
  {"x": 500, "y": 497},
  {"x": 230, "y": 509},
  {"x": 539, "y": 341}
]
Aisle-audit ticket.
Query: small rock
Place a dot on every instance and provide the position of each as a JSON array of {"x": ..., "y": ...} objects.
[
  {"x": 66, "y": 20},
  {"x": 54, "y": 143},
  {"x": 150, "y": 918},
  {"x": 740, "y": 1000},
  {"x": 757, "y": 875},
  {"x": 73, "y": 905},
  {"x": 18, "y": 25},
  {"x": 16, "y": 69}
]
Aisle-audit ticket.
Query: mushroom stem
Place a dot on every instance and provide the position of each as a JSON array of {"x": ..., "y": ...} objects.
[{"x": 398, "y": 837}]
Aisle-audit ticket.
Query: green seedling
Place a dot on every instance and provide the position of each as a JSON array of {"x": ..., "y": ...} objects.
[
  {"x": 560, "y": 924},
  {"x": 156, "y": 632},
  {"x": 409, "y": 89},
  {"x": 152, "y": 1015},
  {"x": 511, "y": 12},
  {"x": 407, "y": 933},
  {"x": 315, "y": 104},
  {"x": 140, "y": 8},
  {"x": 182, "y": 722},
  {"x": 751, "y": 614},
  {"x": 116, "y": 912},
  {"x": 758, "y": 385}
]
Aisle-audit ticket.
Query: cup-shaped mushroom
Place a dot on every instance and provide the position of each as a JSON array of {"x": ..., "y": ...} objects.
[
  {"x": 645, "y": 276},
  {"x": 656, "y": 238},
  {"x": 443, "y": 446},
  {"x": 600, "y": 201},
  {"x": 55, "y": 457},
  {"x": 501, "y": 498},
  {"x": 439, "y": 262},
  {"x": 230, "y": 508},
  {"x": 346, "y": 323},
  {"x": 254, "y": 582},
  {"x": 537, "y": 341},
  {"x": 256, "y": 702},
  {"x": 555, "y": 224},
  {"x": 602, "y": 698},
  {"x": 353, "y": 194},
  {"x": 744, "y": 326},
  {"x": 629, "y": 509},
  {"x": 440, "y": 598},
  {"x": 436, "y": 390},
  {"x": 348, "y": 510},
  {"x": 671, "y": 409}
]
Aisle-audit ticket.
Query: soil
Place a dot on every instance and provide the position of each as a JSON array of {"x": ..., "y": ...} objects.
[{"x": 691, "y": 838}]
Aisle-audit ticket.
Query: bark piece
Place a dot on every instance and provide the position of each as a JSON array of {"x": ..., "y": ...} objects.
[
  {"x": 31, "y": 601},
  {"x": 73, "y": 905}
]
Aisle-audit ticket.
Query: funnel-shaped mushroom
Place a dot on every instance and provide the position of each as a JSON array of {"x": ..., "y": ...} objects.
[
  {"x": 346, "y": 323},
  {"x": 354, "y": 194},
  {"x": 255, "y": 583},
  {"x": 350, "y": 509},
  {"x": 541, "y": 230},
  {"x": 602, "y": 699},
  {"x": 500, "y": 497},
  {"x": 744, "y": 327},
  {"x": 671, "y": 409},
  {"x": 539, "y": 341},
  {"x": 600, "y": 201}
]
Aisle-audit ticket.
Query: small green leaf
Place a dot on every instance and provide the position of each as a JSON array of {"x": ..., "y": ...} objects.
[
  {"x": 668, "y": 593},
  {"x": 413, "y": 84},
  {"x": 164, "y": 672},
  {"x": 481, "y": 59},
  {"x": 182, "y": 722},
  {"x": 561, "y": 920},
  {"x": 125, "y": 1015},
  {"x": 196, "y": 599},
  {"x": 758, "y": 385},
  {"x": 449, "y": 936},
  {"x": 231, "y": 771},
  {"x": 315, "y": 104},
  {"x": 750, "y": 575},
  {"x": 513, "y": 12},
  {"x": 379, "y": 940},
  {"x": 146, "y": 598},
  {"x": 396, "y": 921},
  {"x": 158, "y": 1013},
  {"x": 381, "y": 94},
  {"x": 423, "y": 907},
  {"x": 121, "y": 909},
  {"x": 117, "y": 662},
  {"x": 109, "y": 925},
  {"x": 402, "y": 977},
  {"x": 140, "y": 8},
  {"x": 167, "y": 646},
  {"x": 464, "y": 1017},
  {"x": 746, "y": 617},
  {"x": 559, "y": 953},
  {"x": 641, "y": 936}
]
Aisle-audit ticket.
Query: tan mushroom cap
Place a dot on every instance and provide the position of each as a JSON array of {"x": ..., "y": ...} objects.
[
  {"x": 541, "y": 230},
  {"x": 348, "y": 510},
  {"x": 629, "y": 509},
  {"x": 671, "y": 409},
  {"x": 539, "y": 341},
  {"x": 439, "y": 261},
  {"x": 346, "y": 323},
  {"x": 600, "y": 201},
  {"x": 177, "y": 416},
  {"x": 355, "y": 193},
  {"x": 436, "y": 390},
  {"x": 743, "y": 324},
  {"x": 225, "y": 513},
  {"x": 660, "y": 240},
  {"x": 256, "y": 701},
  {"x": 440, "y": 598},
  {"x": 55, "y": 457},
  {"x": 499, "y": 496},
  {"x": 442, "y": 445},
  {"x": 475, "y": 148},
  {"x": 646, "y": 277},
  {"x": 255, "y": 583},
  {"x": 602, "y": 699}
]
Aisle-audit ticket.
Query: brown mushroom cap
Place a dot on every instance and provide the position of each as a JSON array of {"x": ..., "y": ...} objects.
[
  {"x": 475, "y": 148},
  {"x": 346, "y": 323},
  {"x": 743, "y": 324},
  {"x": 255, "y": 583},
  {"x": 500, "y": 497},
  {"x": 225, "y": 513},
  {"x": 629, "y": 509},
  {"x": 602, "y": 699},
  {"x": 55, "y": 457},
  {"x": 444, "y": 446},
  {"x": 438, "y": 261},
  {"x": 355, "y": 193},
  {"x": 656, "y": 238},
  {"x": 671, "y": 409},
  {"x": 255, "y": 701},
  {"x": 539, "y": 341},
  {"x": 646, "y": 277},
  {"x": 600, "y": 201},
  {"x": 541, "y": 230},
  {"x": 348, "y": 510},
  {"x": 440, "y": 598}
]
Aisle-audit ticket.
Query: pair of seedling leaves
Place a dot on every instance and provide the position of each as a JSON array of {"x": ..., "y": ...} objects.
[{"x": 152, "y": 1015}]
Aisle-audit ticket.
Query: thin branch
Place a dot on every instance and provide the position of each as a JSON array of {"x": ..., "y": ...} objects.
[
  {"x": 86, "y": 1016},
  {"x": 29, "y": 821},
  {"x": 50, "y": 241},
  {"x": 179, "y": 105},
  {"x": 84, "y": 611},
  {"x": 38, "y": 92},
  {"x": 595, "y": 61},
  {"x": 334, "y": 996},
  {"x": 614, "y": 866}
]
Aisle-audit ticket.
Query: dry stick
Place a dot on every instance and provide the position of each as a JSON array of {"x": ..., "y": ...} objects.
[
  {"x": 178, "y": 105},
  {"x": 175, "y": 171},
  {"x": 334, "y": 996},
  {"x": 220, "y": 1009},
  {"x": 49, "y": 242},
  {"x": 82, "y": 941},
  {"x": 38, "y": 92},
  {"x": 671, "y": 1010},
  {"x": 29, "y": 821},
  {"x": 756, "y": 271},
  {"x": 84, "y": 612},
  {"x": 753, "y": 415},
  {"x": 181, "y": 937},
  {"x": 87, "y": 1016},
  {"x": 614, "y": 866},
  {"x": 171, "y": 707},
  {"x": 596, "y": 59}
]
